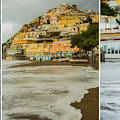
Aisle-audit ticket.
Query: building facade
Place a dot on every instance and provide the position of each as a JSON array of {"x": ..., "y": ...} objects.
[
  {"x": 111, "y": 48},
  {"x": 63, "y": 48}
]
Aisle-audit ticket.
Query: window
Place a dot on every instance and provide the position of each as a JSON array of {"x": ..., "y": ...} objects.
[
  {"x": 28, "y": 55},
  {"x": 101, "y": 48},
  {"x": 112, "y": 48},
  {"x": 28, "y": 35},
  {"x": 32, "y": 35},
  {"x": 108, "y": 48},
  {"x": 51, "y": 46},
  {"x": 116, "y": 47},
  {"x": 35, "y": 54},
  {"x": 55, "y": 44}
]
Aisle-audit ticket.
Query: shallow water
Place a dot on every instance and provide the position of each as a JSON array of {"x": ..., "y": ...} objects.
[
  {"x": 110, "y": 91},
  {"x": 45, "y": 91}
]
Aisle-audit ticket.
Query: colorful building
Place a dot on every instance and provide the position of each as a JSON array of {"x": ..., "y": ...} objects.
[
  {"x": 83, "y": 27},
  {"x": 62, "y": 8},
  {"x": 69, "y": 31},
  {"x": 34, "y": 38},
  {"x": 42, "y": 48},
  {"x": 69, "y": 20},
  {"x": 95, "y": 19},
  {"x": 62, "y": 48}
]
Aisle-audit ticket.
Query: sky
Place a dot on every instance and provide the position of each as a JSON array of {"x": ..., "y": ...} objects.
[{"x": 16, "y": 13}]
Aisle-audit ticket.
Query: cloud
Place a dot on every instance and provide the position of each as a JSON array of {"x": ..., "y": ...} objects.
[
  {"x": 7, "y": 27},
  {"x": 8, "y": 30}
]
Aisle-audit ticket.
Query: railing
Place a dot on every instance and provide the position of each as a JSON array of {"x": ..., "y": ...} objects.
[{"x": 110, "y": 30}]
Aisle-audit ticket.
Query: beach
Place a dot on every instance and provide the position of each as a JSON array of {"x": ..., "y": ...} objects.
[
  {"x": 45, "y": 92},
  {"x": 89, "y": 105},
  {"x": 51, "y": 63}
]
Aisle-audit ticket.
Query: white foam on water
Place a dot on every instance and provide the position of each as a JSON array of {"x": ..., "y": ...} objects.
[
  {"x": 110, "y": 91},
  {"x": 46, "y": 91}
]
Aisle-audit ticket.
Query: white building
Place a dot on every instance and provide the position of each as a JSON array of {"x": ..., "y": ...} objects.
[
  {"x": 108, "y": 24},
  {"x": 114, "y": 3},
  {"x": 111, "y": 47}
]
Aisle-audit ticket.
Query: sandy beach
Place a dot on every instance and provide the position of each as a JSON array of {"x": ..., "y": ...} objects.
[
  {"x": 50, "y": 63},
  {"x": 89, "y": 105},
  {"x": 51, "y": 88}
]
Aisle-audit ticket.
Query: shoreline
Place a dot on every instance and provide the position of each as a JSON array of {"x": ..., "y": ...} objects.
[
  {"x": 89, "y": 105},
  {"x": 50, "y": 63}
]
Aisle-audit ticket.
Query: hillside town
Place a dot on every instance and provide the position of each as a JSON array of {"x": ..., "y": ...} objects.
[
  {"x": 110, "y": 30},
  {"x": 50, "y": 67},
  {"x": 49, "y": 35}
]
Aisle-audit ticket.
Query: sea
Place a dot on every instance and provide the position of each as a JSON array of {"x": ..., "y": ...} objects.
[
  {"x": 110, "y": 91},
  {"x": 44, "y": 91}
]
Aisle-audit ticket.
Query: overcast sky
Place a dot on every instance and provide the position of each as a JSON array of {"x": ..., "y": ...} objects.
[{"x": 16, "y": 13}]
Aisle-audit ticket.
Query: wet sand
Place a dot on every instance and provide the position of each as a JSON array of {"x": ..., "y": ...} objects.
[
  {"x": 30, "y": 117},
  {"x": 89, "y": 105},
  {"x": 48, "y": 63}
]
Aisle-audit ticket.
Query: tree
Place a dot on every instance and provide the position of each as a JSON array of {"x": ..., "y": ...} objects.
[
  {"x": 106, "y": 10},
  {"x": 118, "y": 21},
  {"x": 88, "y": 39}
]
